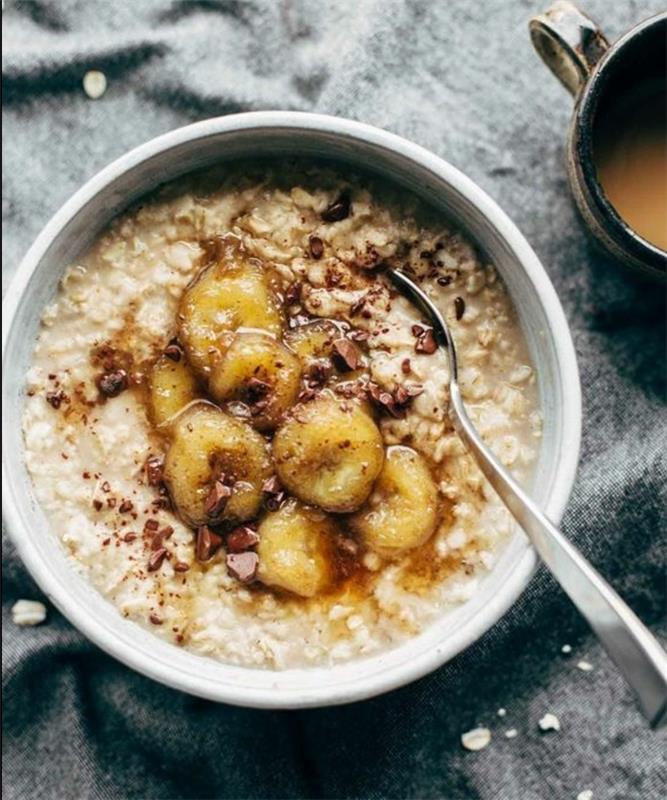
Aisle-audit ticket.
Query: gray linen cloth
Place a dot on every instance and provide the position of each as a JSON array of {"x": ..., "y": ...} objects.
[{"x": 461, "y": 79}]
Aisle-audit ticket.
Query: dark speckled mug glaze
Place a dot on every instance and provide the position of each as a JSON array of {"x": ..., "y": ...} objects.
[{"x": 579, "y": 55}]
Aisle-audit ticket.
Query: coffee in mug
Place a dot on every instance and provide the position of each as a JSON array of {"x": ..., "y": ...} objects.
[{"x": 617, "y": 145}]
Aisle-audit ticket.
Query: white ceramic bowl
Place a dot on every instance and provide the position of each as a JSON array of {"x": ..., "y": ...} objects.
[{"x": 283, "y": 134}]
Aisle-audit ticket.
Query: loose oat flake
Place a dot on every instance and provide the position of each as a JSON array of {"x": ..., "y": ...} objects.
[
  {"x": 28, "y": 612},
  {"x": 587, "y": 794},
  {"x": 476, "y": 739},
  {"x": 94, "y": 84},
  {"x": 584, "y": 666},
  {"x": 549, "y": 722},
  {"x": 511, "y": 733}
]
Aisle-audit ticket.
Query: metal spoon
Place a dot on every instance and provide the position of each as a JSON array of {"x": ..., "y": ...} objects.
[{"x": 635, "y": 650}]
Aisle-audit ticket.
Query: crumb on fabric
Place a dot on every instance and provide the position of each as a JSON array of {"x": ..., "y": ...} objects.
[
  {"x": 549, "y": 722},
  {"x": 476, "y": 739},
  {"x": 28, "y": 612},
  {"x": 94, "y": 84}
]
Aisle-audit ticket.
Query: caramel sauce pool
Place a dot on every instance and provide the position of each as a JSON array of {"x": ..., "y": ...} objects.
[{"x": 630, "y": 150}]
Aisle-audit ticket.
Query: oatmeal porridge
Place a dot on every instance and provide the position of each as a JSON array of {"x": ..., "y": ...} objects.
[{"x": 237, "y": 427}]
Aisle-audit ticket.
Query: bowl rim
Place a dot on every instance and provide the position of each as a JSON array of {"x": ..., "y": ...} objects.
[{"x": 385, "y": 680}]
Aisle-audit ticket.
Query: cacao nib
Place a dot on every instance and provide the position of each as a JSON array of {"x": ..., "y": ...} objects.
[
  {"x": 243, "y": 566},
  {"x": 271, "y": 485},
  {"x": 383, "y": 398},
  {"x": 293, "y": 293},
  {"x": 111, "y": 384},
  {"x": 306, "y": 395},
  {"x": 346, "y": 355},
  {"x": 426, "y": 343},
  {"x": 358, "y": 306},
  {"x": 157, "y": 542},
  {"x": 208, "y": 543},
  {"x": 459, "y": 307},
  {"x": 318, "y": 372},
  {"x": 154, "y": 470},
  {"x": 396, "y": 402},
  {"x": 156, "y": 559},
  {"x": 274, "y": 493},
  {"x": 55, "y": 399},
  {"x": 338, "y": 210},
  {"x": 241, "y": 539},
  {"x": 217, "y": 499},
  {"x": 316, "y": 246}
]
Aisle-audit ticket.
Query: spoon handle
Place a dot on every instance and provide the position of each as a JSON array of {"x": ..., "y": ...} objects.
[{"x": 634, "y": 649}]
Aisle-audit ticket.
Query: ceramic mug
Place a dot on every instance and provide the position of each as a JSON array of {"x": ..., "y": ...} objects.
[{"x": 595, "y": 72}]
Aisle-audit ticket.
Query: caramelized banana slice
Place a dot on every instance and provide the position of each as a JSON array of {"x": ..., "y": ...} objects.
[
  {"x": 327, "y": 354},
  {"x": 172, "y": 387},
  {"x": 233, "y": 293},
  {"x": 261, "y": 373},
  {"x": 313, "y": 341},
  {"x": 296, "y": 549},
  {"x": 329, "y": 453},
  {"x": 209, "y": 445},
  {"x": 401, "y": 512}
]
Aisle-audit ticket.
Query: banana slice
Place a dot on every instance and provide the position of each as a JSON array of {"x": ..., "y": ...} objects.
[
  {"x": 296, "y": 550},
  {"x": 401, "y": 513},
  {"x": 314, "y": 340},
  {"x": 318, "y": 347},
  {"x": 207, "y": 444},
  {"x": 233, "y": 293},
  {"x": 172, "y": 387},
  {"x": 329, "y": 453},
  {"x": 261, "y": 373}
]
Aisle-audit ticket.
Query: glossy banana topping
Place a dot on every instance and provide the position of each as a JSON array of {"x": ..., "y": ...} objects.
[
  {"x": 329, "y": 453},
  {"x": 271, "y": 423},
  {"x": 230, "y": 293},
  {"x": 172, "y": 386},
  {"x": 210, "y": 449},
  {"x": 401, "y": 512},
  {"x": 259, "y": 372}
]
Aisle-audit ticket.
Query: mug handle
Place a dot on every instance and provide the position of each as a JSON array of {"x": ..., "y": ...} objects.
[{"x": 568, "y": 42}]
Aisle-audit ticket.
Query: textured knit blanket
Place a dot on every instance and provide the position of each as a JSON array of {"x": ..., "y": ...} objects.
[{"x": 461, "y": 79}]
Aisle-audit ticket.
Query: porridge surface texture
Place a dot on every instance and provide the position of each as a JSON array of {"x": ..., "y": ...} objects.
[{"x": 87, "y": 450}]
